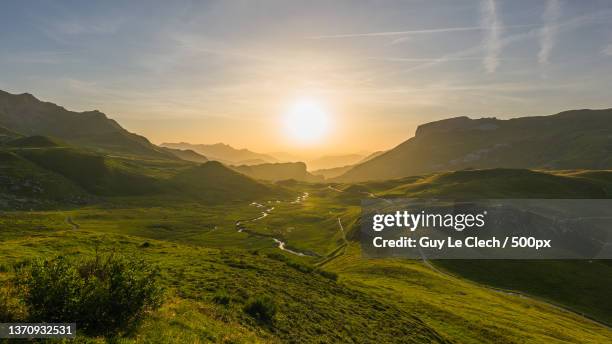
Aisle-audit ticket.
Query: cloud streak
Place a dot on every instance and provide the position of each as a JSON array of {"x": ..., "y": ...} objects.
[
  {"x": 399, "y": 33},
  {"x": 491, "y": 42},
  {"x": 550, "y": 30}
]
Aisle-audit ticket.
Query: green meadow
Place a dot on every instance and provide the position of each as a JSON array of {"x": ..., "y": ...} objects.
[{"x": 324, "y": 290}]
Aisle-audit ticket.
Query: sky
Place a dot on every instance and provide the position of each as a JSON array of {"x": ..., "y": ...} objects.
[{"x": 229, "y": 70}]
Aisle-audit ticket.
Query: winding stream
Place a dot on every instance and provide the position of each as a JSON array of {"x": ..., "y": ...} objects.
[{"x": 281, "y": 244}]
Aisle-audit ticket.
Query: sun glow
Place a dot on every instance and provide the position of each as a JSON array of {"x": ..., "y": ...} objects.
[{"x": 306, "y": 121}]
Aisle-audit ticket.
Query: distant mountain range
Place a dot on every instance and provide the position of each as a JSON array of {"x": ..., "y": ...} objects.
[
  {"x": 333, "y": 161},
  {"x": 279, "y": 171},
  {"x": 225, "y": 153},
  {"x": 26, "y": 115},
  {"x": 577, "y": 139}
]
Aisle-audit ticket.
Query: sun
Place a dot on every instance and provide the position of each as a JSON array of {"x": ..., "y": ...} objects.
[{"x": 306, "y": 121}]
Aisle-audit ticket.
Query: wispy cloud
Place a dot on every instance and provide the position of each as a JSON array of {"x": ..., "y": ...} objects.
[
  {"x": 403, "y": 36},
  {"x": 608, "y": 50},
  {"x": 398, "y": 33},
  {"x": 492, "y": 43},
  {"x": 549, "y": 32}
]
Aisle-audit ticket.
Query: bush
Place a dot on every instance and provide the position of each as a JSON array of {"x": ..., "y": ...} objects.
[
  {"x": 262, "y": 308},
  {"x": 102, "y": 295}
]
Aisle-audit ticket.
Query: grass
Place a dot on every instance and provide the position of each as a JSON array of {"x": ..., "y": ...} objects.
[{"x": 213, "y": 272}]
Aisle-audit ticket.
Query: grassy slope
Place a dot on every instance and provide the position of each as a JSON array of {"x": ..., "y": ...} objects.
[
  {"x": 33, "y": 158},
  {"x": 556, "y": 281},
  {"x": 311, "y": 307},
  {"x": 202, "y": 254}
]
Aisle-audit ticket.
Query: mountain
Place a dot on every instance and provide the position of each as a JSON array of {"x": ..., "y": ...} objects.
[
  {"x": 278, "y": 171},
  {"x": 334, "y": 172},
  {"x": 371, "y": 156},
  {"x": 576, "y": 139},
  {"x": 224, "y": 153},
  {"x": 24, "y": 114},
  {"x": 186, "y": 154},
  {"x": 332, "y": 161},
  {"x": 285, "y": 157},
  {"x": 329, "y": 173},
  {"x": 7, "y": 135}
]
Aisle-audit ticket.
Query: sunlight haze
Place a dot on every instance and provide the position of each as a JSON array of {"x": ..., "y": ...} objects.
[{"x": 183, "y": 71}]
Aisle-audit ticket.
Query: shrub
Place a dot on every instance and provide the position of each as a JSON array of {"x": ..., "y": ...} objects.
[
  {"x": 102, "y": 295},
  {"x": 262, "y": 308}
]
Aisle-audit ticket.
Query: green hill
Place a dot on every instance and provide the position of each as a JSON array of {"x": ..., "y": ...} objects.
[
  {"x": 25, "y": 114},
  {"x": 579, "y": 285},
  {"x": 91, "y": 171},
  {"x": 214, "y": 182},
  {"x": 25, "y": 185},
  {"x": 33, "y": 141},
  {"x": 494, "y": 183},
  {"x": 577, "y": 139}
]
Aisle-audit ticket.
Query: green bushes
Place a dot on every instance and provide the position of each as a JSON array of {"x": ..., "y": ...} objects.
[
  {"x": 103, "y": 295},
  {"x": 262, "y": 308}
]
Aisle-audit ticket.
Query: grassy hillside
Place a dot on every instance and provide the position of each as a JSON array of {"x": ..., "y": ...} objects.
[
  {"x": 494, "y": 183},
  {"x": 209, "y": 288},
  {"x": 91, "y": 171},
  {"x": 33, "y": 141},
  {"x": 556, "y": 281},
  {"x": 58, "y": 173},
  {"x": 214, "y": 182},
  {"x": 25, "y": 185},
  {"x": 212, "y": 271},
  {"x": 579, "y": 139}
]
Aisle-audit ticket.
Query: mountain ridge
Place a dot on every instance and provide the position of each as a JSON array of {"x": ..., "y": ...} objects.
[
  {"x": 29, "y": 116},
  {"x": 224, "y": 153},
  {"x": 567, "y": 140}
]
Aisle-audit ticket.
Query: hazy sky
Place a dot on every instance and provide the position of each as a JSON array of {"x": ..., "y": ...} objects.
[{"x": 210, "y": 71}]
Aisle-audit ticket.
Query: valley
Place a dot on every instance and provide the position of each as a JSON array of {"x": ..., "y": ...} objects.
[
  {"x": 203, "y": 252},
  {"x": 225, "y": 235}
]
